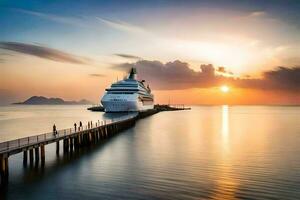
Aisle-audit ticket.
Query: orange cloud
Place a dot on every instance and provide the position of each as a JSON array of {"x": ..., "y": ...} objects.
[{"x": 177, "y": 75}]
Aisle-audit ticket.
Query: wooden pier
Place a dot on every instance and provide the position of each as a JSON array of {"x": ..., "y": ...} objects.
[{"x": 33, "y": 147}]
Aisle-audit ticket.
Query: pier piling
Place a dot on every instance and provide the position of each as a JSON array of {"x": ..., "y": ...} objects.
[
  {"x": 31, "y": 157},
  {"x": 71, "y": 144},
  {"x": 25, "y": 157},
  {"x": 4, "y": 170},
  {"x": 42, "y": 155},
  {"x": 37, "y": 155},
  {"x": 57, "y": 147},
  {"x": 66, "y": 145}
]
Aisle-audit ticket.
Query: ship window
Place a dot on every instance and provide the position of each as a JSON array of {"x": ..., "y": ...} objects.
[{"x": 120, "y": 92}]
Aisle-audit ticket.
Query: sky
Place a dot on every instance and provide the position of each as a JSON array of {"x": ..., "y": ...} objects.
[{"x": 185, "y": 50}]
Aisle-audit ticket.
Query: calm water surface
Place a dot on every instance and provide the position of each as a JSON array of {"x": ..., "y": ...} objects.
[{"x": 213, "y": 152}]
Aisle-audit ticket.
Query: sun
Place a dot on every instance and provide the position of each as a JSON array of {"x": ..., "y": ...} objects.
[{"x": 224, "y": 88}]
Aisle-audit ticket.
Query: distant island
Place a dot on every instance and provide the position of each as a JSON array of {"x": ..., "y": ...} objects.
[{"x": 40, "y": 100}]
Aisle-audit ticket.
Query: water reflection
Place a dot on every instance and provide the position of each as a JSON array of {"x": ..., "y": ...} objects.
[
  {"x": 226, "y": 184},
  {"x": 210, "y": 152},
  {"x": 225, "y": 127}
]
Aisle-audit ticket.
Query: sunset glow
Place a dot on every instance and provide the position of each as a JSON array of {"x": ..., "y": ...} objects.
[
  {"x": 203, "y": 53},
  {"x": 224, "y": 88},
  {"x": 194, "y": 99}
]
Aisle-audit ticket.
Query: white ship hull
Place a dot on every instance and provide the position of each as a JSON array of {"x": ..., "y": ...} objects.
[{"x": 125, "y": 103}]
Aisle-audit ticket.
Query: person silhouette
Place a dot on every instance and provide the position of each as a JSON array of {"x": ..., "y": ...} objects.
[
  {"x": 54, "y": 130},
  {"x": 80, "y": 125},
  {"x": 75, "y": 127}
]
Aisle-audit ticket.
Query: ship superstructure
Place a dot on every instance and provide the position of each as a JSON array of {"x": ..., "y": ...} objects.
[{"x": 128, "y": 95}]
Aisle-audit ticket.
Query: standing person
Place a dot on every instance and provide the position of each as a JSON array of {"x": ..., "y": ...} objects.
[
  {"x": 75, "y": 126},
  {"x": 91, "y": 124},
  {"x": 88, "y": 125},
  {"x": 54, "y": 130},
  {"x": 80, "y": 125}
]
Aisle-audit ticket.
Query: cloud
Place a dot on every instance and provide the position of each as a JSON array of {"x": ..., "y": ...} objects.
[
  {"x": 223, "y": 71},
  {"x": 127, "y": 56},
  {"x": 284, "y": 78},
  {"x": 85, "y": 22},
  {"x": 97, "y": 75},
  {"x": 257, "y": 14},
  {"x": 43, "y": 52},
  {"x": 3, "y": 56},
  {"x": 76, "y": 21},
  {"x": 121, "y": 25},
  {"x": 177, "y": 75},
  {"x": 172, "y": 75}
]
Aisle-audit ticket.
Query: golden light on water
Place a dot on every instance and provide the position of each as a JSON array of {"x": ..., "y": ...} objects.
[
  {"x": 224, "y": 88},
  {"x": 225, "y": 126},
  {"x": 225, "y": 180}
]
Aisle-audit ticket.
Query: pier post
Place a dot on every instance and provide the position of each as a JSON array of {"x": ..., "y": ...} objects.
[
  {"x": 79, "y": 140},
  {"x": 116, "y": 128},
  {"x": 97, "y": 135},
  {"x": 37, "y": 155},
  {"x": 93, "y": 137},
  {"x": 113, "y": 130},
  {"x": 57, "y": 147},
  {"x": 25, "y": 157},
  {"x": 2, "y": 165},
  {"x": 86, "y": 139},
  {"x": 66, "y": 145},
  {"x": 76, "y": 142},
  {"x": 71, "y": 144},
  {"x": 82, "y": 140},
  {"x": 42, "y": 155},
  {"x": 106, "y": 133},
  {"x": 4, "y": 170},
  {"x": 89, "y": 138},
  {"x": 31, "y": 157},
  {"x": 102, "y": 133}
]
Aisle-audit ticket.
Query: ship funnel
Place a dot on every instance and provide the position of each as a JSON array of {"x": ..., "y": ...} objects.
[{"x": 132, "y": 74}]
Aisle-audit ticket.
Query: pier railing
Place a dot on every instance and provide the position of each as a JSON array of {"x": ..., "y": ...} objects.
[{"x": 31, "y": 140}]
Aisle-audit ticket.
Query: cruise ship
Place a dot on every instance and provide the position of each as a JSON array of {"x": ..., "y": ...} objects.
[{"x": 128, "y": 95}]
